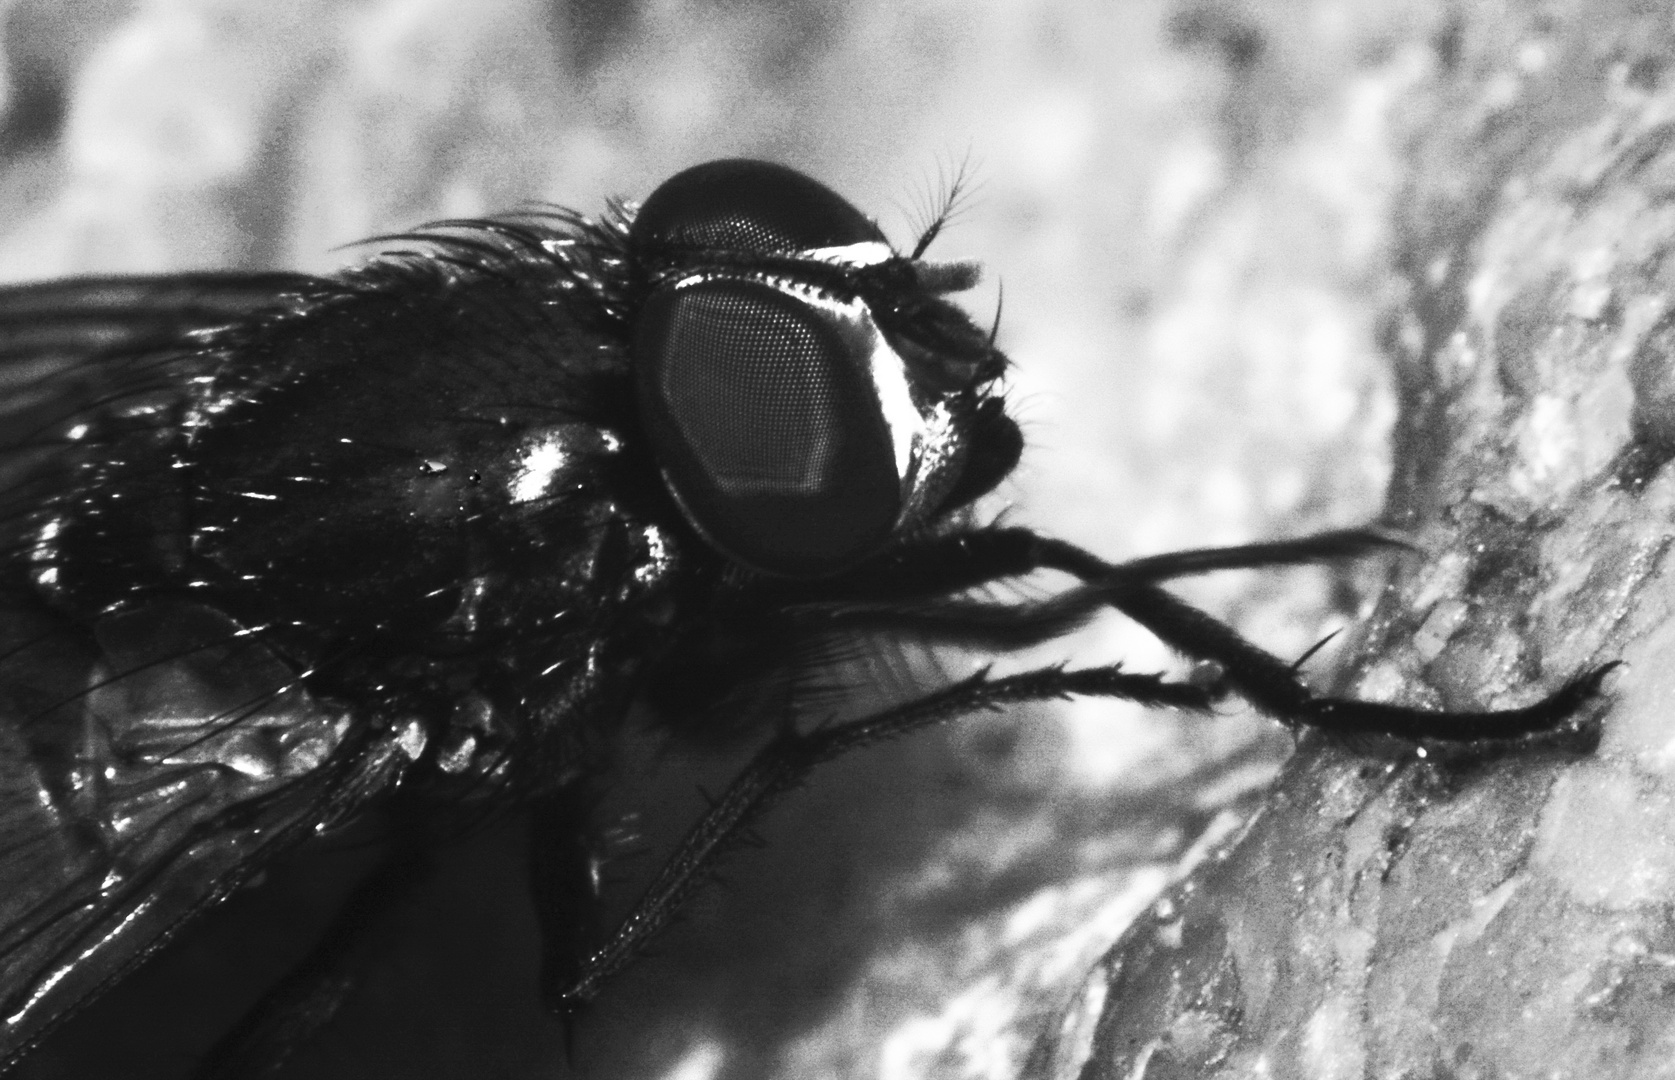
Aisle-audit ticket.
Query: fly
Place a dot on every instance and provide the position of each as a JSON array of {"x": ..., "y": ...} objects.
[{"x": 282, "y": 550}]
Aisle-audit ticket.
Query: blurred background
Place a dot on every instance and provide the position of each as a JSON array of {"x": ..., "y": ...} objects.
[{"x": 1183, "y": 204}]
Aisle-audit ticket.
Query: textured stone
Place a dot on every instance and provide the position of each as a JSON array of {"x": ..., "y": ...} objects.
[{"x": 1500, "y": 914}]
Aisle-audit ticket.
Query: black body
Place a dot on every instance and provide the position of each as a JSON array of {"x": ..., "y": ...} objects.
[{"x": 276, "y": 548}]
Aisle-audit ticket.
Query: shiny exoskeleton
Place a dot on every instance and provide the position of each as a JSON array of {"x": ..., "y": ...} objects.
[{"x": 279, "y": 548}]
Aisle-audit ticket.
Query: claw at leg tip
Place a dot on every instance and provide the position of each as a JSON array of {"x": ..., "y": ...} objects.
[{"x": 1604, "y": 679}]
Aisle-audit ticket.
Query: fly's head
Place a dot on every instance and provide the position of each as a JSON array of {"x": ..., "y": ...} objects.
[{"x": 808, "y": 391}]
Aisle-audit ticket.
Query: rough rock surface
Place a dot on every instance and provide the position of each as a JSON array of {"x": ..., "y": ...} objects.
[{"x": 1402, "y": 915}]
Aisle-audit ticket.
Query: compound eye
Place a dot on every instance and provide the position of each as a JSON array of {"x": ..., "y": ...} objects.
[
  {"x": 761, "y": 413},
  {"x": 748, "y": 206}
]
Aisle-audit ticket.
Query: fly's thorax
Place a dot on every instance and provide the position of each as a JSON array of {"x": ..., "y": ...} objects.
[{"x": 430, "y": 531}]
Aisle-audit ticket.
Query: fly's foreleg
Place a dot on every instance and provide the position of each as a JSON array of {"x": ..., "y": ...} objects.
[
  {"x": 1273, "y": 685},
  {"x": 956, "y": 562},
  {"x": 789, "y": 758},
  {"x": 927, "y": 573}
]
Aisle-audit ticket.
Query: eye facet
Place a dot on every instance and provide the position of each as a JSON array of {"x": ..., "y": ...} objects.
[
  {"x": 748, "y": 207},
  {"x": 769, "y": 423}
]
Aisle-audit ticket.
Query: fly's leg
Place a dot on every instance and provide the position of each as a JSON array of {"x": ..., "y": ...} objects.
[
  {"x": 955, "y": 562},
  {"x": 909, "y": 593},
  {"x": 787, "y": 761},
  {"x": 1272, "y": 685},
  {"x": 312, "y": 993},
  {"x": 1297, "y": 551},
  {"x": 1266, "y": 681}
]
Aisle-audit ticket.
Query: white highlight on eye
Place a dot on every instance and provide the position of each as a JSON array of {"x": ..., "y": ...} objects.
[
  {"x": 866, "y": 253},
  {"x": 889, "y": 375},
  {"x": 884, "y": 364},
  {"x": 540, "y": 464}
]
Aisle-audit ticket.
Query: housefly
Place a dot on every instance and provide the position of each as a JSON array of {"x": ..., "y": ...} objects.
[{"x": 282, "y": 550}]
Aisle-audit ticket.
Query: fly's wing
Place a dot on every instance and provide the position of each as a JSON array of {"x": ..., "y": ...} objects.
[
  {"x": 146, "y": 767},
  {"x": 74, "y": 346},
  {"x": 87, "y": 325},
  {"x": 151, "y": 758}
]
